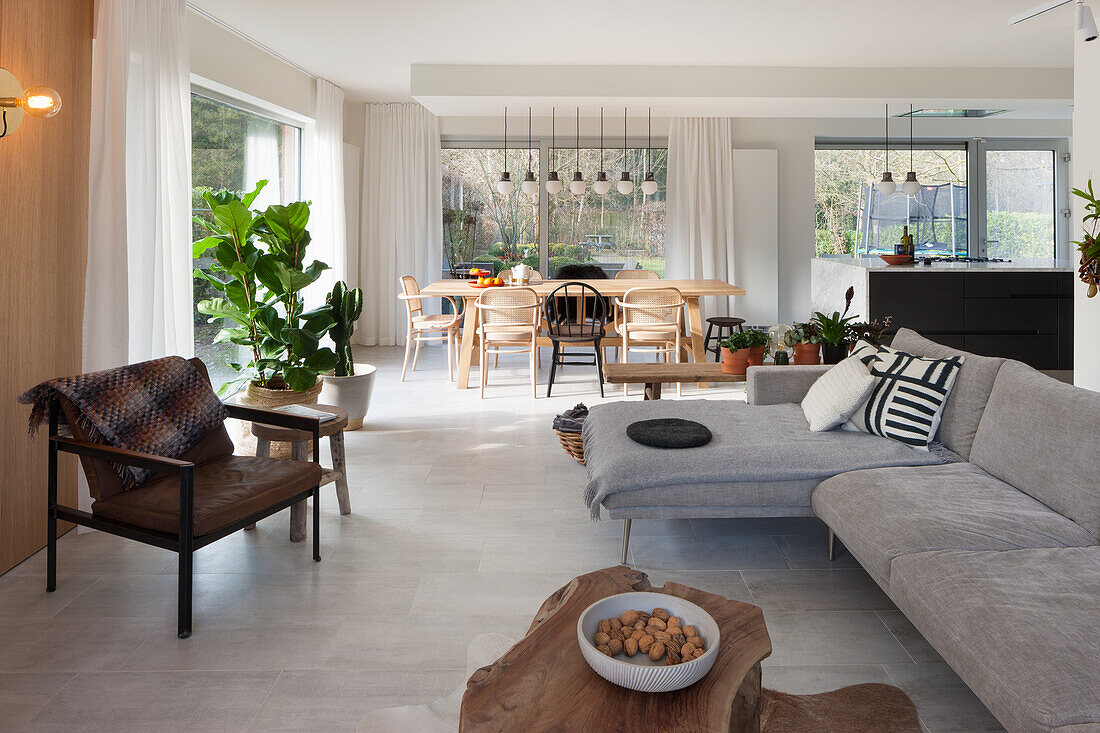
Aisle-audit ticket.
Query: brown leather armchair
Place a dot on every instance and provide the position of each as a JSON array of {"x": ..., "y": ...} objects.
[{"x": 192, "y": 501}]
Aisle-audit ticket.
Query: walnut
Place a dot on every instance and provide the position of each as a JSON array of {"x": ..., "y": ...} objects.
[
  {"x": 631, "y": 647},
  {"x": 657, "y": 651},
  {"x": 673, "y": 657},
  {"x": 657, "y": 623},
  {"x": 661, "y": 614},
  {"x": 601, "y": 638},
  {"x": 616, "y": 646},
  {"x": 605, "y": 626},
  {"x": 603, "y": 649},
  {"x": 645, "y": 643},
  {"x": 629, "y": 617}
]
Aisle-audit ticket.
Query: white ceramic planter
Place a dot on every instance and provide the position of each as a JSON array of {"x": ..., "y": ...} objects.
[{"x": 351, "y": 393}]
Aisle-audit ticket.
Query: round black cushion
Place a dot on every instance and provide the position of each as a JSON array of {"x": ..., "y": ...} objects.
[{"x": 669, "y": 432}]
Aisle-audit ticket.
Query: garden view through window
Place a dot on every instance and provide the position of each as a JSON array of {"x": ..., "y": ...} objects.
[
  {"x": 233, "y": 149},
  {"x": 615, "y": 231},
  {"x": 853, "y": 218},
  {"x": 1017, "y": 203}
]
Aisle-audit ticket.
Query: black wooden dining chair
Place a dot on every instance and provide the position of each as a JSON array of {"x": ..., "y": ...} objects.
[{"x": 575, "y": 315}]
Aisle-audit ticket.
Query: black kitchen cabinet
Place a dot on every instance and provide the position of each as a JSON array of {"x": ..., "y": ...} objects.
[{"x": 1021, "y": 315}]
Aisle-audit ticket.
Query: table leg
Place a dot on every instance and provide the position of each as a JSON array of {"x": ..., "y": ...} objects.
[
  {"x": 746, "y": 708},
  {"x": 263, "y": 450},
  {"x": 336, "y": 448},
  {"x": 652, "y": 391},
  {"x": 698, "y": 347},
  {"x": 466, "y": 347},
  {"x": 299, "y": 451}
]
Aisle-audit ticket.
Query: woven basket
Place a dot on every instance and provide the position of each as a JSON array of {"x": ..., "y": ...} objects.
[{"x": 573, "y": 444}]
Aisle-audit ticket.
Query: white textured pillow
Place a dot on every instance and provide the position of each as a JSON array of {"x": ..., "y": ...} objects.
[{"x": 837, "y": 394}]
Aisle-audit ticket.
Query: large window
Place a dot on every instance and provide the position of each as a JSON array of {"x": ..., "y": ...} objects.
[
  {"x": 988, "y": 198},
  {"x": 232, "y": 148},
  {"x": 615, "y": 231},
  {"x": 854, "y": 218},
  {"x": 481, "y": 226}
]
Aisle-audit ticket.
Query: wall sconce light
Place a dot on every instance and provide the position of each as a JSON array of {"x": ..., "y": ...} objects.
[{"x": 15, "y": 102}]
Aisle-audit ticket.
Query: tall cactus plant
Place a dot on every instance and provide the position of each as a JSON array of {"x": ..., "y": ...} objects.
[{"x": 347, "y": 306}]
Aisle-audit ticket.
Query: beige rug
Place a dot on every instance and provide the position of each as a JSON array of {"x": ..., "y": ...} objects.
[{"x": 870, "y": 708}]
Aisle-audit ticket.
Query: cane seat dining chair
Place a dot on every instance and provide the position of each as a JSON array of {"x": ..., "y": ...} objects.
[
  {"x": 189, "y": 502},
  {"x": 428, "y": 327},
  {"x": 651, "y": 322},
  {"x": 637, "y": 275},
  {"x": 575, "y": 314},
  {"x": 509, "y": 322}
]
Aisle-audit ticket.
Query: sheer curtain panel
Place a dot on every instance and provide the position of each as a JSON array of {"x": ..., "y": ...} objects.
[
  {"x": 699, "y": 239},
  {"x": 138, "y": 302},
  {"x": 402, "y": 214},
  {"x": 325, "y": 188}
]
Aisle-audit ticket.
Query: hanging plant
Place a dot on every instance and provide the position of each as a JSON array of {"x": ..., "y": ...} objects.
[{"x": 1089, "y": 246}]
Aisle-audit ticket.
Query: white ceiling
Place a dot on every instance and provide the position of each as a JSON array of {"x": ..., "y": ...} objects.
[{"x": 368, "y": 46}]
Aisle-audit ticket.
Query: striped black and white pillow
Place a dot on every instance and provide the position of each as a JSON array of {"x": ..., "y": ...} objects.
[{"x": 907, "y": 403}]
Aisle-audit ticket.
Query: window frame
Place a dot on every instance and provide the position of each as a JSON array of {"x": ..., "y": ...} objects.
[
  {"x": 976, "y": 148},
  {"x": 543, "y": 145}
]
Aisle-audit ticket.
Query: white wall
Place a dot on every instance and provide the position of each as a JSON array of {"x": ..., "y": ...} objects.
[
  {"x": 1086, "y": 164},
  {"x": 222, "y": 56},
  {"x": 794, "y": 138}
]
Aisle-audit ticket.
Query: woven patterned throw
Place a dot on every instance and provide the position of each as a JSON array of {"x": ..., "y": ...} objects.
[{"x": 162, "y": 407}]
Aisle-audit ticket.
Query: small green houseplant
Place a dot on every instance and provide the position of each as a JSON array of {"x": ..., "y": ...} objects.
[
  {"x": 742, "y": 349},
  {"x": 350, "y": 384},
  {"x": 834, "y": 330},
  {"x": 805, "y": 340},
  {"x": 1089, "y": 245}
]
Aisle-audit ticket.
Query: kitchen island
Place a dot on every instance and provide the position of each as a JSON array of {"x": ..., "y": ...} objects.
[{"x": 1021, "y": 309}]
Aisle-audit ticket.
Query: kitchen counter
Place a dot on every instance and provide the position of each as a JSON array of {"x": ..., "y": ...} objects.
[
  {"x": 1017, "y": 265},
  {"x": 1021, "y": 309}
]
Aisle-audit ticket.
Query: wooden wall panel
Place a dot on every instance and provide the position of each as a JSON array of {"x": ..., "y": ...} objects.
[{"x": 43, "y": 241}]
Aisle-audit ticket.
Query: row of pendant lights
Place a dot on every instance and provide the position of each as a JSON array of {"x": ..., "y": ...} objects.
[
  {"x": 887, "y": 186},
  {"x": 530, "y": 186}
]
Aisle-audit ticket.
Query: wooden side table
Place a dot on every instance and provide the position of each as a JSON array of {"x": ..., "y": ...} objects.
[
  {"x": 543, "y": 683},
  {"x": 299, "y": 451},
  {"x": 654, "y": 375}
]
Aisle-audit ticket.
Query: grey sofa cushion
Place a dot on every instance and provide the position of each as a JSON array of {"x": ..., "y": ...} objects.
[
  {"x": 778, "y": 385},
  {"x": 726, "y": 499},
  {"x": 886, "y": 512},
  {"x": 751, "y": 443},
  {"x": 965, "y": 405},
  {"x": 1040, "y": 435},
  {"x": 1019, "y": 627}
]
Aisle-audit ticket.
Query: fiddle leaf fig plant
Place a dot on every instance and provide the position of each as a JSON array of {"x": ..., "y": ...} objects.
[{"x": 259, "y": 267}]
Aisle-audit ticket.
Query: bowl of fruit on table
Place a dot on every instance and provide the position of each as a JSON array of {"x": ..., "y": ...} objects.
[{"x": 485, "y": 280}]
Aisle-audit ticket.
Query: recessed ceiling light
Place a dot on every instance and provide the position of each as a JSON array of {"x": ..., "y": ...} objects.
[{"x": 953, "y": 113}]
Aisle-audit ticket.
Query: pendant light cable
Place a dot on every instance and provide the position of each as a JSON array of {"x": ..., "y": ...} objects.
[
  {"x": 578, "y": 139},
  {"x": 528, "y": 138}
]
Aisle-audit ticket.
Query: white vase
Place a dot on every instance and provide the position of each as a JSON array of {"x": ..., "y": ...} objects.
[{"x": 351, "y": 393}]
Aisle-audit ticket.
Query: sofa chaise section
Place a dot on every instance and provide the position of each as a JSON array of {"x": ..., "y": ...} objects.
[
  {"x": 1020, "y": 627},
  {"x": 885, "y": 513}
]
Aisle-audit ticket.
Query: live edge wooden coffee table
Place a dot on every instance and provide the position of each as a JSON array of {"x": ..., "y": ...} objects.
[
  {"x": 654, "y": 375},
  {"x": 543, "y": 683}
]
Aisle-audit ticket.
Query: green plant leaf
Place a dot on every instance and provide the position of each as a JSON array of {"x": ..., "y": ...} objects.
[
  {"x": 321, "y": 360},
  {"x": 222, "y": 308},
  {"x": 199, "y": 247},
  {"x": 214, "y": 282},
  {"x": 236, "y": 219},
  {"x": 300, "y": 342},
  {"x": 299, "y": 379},
  {"x": 248, "y": 198}
]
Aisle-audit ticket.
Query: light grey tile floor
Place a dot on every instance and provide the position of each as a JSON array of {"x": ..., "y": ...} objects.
[{"x": 467, "y": 515}]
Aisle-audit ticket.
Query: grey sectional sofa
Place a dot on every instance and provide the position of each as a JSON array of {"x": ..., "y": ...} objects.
[
  {"x": 996, "y": 559},
  {"x": 989, "y": 544}
]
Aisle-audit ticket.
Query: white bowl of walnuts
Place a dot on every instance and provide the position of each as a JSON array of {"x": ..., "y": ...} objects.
[{"x": 649, "y": 642}]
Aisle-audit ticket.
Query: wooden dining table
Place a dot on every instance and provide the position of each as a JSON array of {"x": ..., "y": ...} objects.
[{"x": 692, "y": 291}]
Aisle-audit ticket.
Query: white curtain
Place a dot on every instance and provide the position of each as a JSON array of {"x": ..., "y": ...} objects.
[
  {"x": 261, "y": 160},
  {"x": 402, "y": 214},
  {"x": 138, "y": 297},
  {"x": 324, "y": 184},
  {"x": 699, "y": 235}
]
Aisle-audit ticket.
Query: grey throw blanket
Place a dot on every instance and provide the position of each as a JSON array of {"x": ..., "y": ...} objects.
[{"x": 751, "y": 443}]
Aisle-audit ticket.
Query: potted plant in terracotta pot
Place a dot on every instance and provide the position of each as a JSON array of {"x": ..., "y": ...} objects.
[
  {"x": 350, "y": 384},
  {"x": 805, "y": 339},
  {"x": 259, "y": 268},
  {"x": 743, "y": 349},
  {"x": 834, "y": 331}
]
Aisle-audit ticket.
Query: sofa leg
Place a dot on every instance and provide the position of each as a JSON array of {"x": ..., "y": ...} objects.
[
  {"x": 626, "y": 539},
  {"x": 834, "y": 546}
]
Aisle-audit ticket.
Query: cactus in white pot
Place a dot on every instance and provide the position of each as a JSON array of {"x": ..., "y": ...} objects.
[{"x": 350, "y": 384}]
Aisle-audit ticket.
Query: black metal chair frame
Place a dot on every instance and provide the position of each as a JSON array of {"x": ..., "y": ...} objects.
[
  {"x": 185, "y": 543},
  {"x": 568, "y": 305}
]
